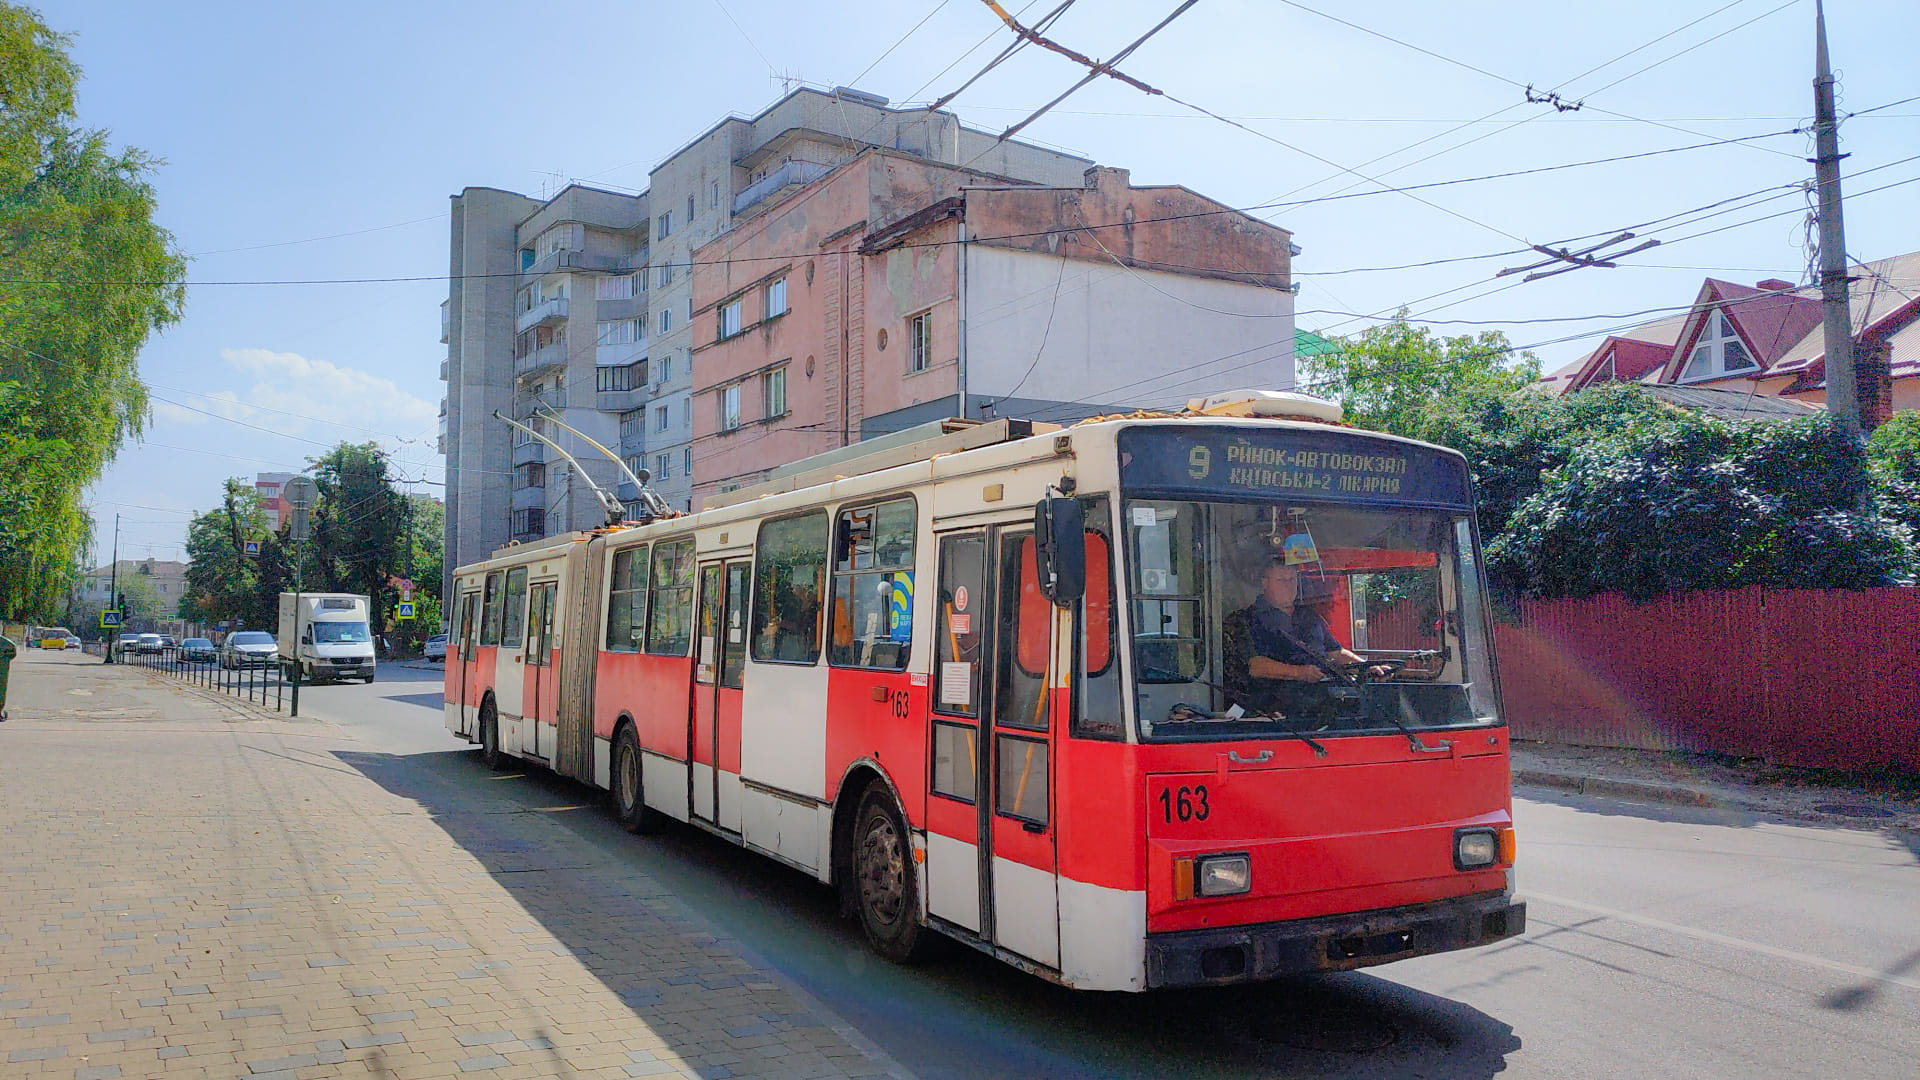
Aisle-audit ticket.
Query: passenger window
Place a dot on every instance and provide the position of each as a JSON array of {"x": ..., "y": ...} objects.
[
  {"x": 513, "y": 622},
  {"x": 627, "y": 600},
  {"x": 958, "y": 638},
  {"x": 670, "y": 619},
  {"x": 789, "y": 574},
  {"x": 490, "y": 612},
  {"x": 873, "y": 586}
]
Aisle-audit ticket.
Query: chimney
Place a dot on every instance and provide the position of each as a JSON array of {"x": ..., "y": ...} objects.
[
  {"x": 1105, "y": 178},
  {"x": 1774, "y": 285}
]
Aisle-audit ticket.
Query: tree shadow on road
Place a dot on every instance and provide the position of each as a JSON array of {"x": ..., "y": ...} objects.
[{"x": 601, "y": 893}]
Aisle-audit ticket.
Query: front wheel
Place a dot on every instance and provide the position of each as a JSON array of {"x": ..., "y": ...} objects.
[
  {"x": 629, "y": 795},
  {"x": 885, "y": 880},
  {"x": 490, "y": 737}
]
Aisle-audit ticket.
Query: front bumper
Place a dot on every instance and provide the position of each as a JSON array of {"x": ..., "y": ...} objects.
[{"x": 1330, "y": 943}]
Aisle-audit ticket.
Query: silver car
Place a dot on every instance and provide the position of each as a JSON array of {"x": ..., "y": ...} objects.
[{"x": 248, "y": 648}]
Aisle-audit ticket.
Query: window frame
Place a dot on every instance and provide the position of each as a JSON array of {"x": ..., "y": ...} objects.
[
  {"x": 768, "y": 380},
  {"x": 514, "y": 615},
  {"x": 729, "y": 400},
  {"x": 1098, "y": 512},
  {"x": 729, "y": 323},
  {"x": 776, "y": 287},
  {"x": 655, "y": 589},
  {"x": 762, "y": 577},
  {"x": 920, "y": 342},
  {"x": 891, "y": 570},
  {"x": 636, "y": 552},
  {"x": 490, "y": 609}
]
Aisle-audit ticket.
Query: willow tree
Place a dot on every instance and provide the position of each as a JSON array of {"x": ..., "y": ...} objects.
[{"x": 86, "y": 277}]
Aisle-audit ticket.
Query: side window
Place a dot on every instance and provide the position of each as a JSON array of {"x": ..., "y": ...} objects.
[
  {"x": 469, "y": 611},
  {"x": 514, "y": 620},
  {"x": 670, "y": 611},
  {"x": 627, "y": 599},
  {"x": 490, "y": 611},
  {"x": 1097, "y": 704},
  {"x": 873, "y": 586},
  {"x": 789, "y": 574}
]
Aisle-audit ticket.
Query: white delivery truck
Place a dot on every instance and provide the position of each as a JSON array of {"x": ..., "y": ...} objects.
[{"x": 326, "y": 634}]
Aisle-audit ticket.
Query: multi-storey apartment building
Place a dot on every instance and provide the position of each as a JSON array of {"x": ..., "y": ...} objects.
[
  {"x": 583, "y": 303},
  {"x": 896, "y": 291}
]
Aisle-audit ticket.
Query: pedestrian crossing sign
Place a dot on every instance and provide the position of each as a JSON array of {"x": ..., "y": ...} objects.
[
  {"x": 109, "y": 620},
  {"x": 250, "y": 548},
  {"x": 403, "y": 610}
]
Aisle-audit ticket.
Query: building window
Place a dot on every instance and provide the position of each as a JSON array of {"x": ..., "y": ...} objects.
[
  {"x": 662, "y": 467},
  {"x": 730, "y": 407},
  {"x": 713, "y": 194},
  {"x": 730, "y": 319},
  {"x": 637, "y": 465},
  {"x": 531, "y": 475},
  {"x": 633, "y": 423},
  {"x": 666, "y": 319},
  {"x": 873, "y": 587},
  {"x": 614, "y": 287},
  {"x": 919, "y": 341},
  {"x": 686, "y": 461},
  {"x": 666, "y": 368},
  {"x": 624, "y": 377},
  {"x": 689, "y": 207},
  {"x": 666, "y": 273},
  {"x": 619, "y": 332},
  {"x": 777, "y": 298},
  {"x": 773, "y": 393},
  {"x": 1718, "y": 352},
  {"x": 532, "y": 521},
  {"x": 790, "y": 572},
  {"x": 666, "y": 226},
  {"x": 660, "y": 418}
]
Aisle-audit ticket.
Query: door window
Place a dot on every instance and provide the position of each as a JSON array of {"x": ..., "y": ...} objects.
[
  {"x": 961, "y": 625},
  {"x": 490, "y": 613},
  {"x": 1027, "y": 615},
  {"x": 706, "y": 647},
  {"x": 514, "y": 603},
  {"x": 1097, "y": 700},
  {"x": 733, "y": 643},
  {"x": 1020, "y": 781},
  {"x": 540, "y": 627}
]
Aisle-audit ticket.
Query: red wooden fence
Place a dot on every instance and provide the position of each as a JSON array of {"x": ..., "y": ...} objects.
[{"x": 1822, "y": 679}]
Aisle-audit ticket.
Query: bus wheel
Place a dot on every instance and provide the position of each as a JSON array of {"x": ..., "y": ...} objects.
[
  {"x": 884, "y": 878},
  {"x": 629, "y": 799},
  {"x": 490, "y": 736}
]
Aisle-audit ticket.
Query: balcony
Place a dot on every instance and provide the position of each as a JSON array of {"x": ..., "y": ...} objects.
[
  {"x": 620, "y": 400},
  {"x": 562, "y": 261},
  {"x": 554, "y": 355},
  {"x": 530, "y": 496},
  {"x": 633, "y": 307},
  {"x": 529, "y": 404},
  {"x": 443, "y": 369},
  {"x": 530, "y": 451},
  {"x": 789, "y": 174},
  {"x": 446, "y": 320},
  {"x": 552, "y": 311}
]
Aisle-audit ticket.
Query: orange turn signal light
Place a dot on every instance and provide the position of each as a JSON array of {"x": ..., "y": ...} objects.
[
  {"x": 1183, "y": 879},
  {"x": 1508, "y": 845}
]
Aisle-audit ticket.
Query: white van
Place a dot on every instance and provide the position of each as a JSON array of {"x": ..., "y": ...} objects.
[{"x": 327, "y": 635}]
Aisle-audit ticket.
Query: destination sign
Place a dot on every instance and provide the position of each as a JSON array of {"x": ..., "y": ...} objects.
[{"x": 1280, "y": 463}]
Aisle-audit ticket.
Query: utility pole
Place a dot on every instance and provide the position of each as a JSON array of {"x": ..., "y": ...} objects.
[
  {"x": 1843, "y": 388},
  {"x": 113, "y": 590}
]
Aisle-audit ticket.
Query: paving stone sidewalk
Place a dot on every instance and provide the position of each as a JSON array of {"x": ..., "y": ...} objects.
[{"x": 191, "y": 888}]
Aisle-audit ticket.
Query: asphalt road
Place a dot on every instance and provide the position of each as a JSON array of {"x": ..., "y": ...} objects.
[{"x": 1663, "y": 942}]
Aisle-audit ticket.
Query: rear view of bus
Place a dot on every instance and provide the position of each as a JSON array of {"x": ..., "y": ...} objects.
[{"x": 1321, "y": 767}]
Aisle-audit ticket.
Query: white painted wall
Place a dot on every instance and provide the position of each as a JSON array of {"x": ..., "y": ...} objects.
[{"x": 1118, "y": 335}]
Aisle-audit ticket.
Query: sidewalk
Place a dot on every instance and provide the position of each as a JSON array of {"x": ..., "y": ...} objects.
[
  {"x": 1694, "y": 780},
  {"x": 193, "y": 887}
]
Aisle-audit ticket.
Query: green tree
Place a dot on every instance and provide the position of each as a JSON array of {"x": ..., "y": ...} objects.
[
  {"x": 223, "y": 583},
  {"x": 1396, "y": 377},
  {"x": 359, "y": 527},
  {"x": 91, "y": 278}
]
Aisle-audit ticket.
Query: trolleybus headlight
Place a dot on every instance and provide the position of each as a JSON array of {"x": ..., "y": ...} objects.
[
  {"x": 1475, "y": 848},
  {"x": 1223, "y": 875}
]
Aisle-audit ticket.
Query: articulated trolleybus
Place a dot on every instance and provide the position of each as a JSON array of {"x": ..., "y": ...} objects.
[{"x": 1044, "y": 690}]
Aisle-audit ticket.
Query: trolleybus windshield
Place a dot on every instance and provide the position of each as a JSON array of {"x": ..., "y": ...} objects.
[{"x": 1288, "y": 582}]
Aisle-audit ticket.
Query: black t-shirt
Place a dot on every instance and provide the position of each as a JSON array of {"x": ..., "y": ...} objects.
[{"x": 1261, "y": 629}]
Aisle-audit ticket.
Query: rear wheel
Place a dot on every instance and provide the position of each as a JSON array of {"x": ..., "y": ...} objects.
[
  {"x": 490, "y": 736},
  {"x": 629, "y": 796},
  {"x": 885, "y": 882}
]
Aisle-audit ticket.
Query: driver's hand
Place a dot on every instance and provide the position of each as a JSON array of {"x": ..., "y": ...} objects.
[{"x": 1380, "y": 671}]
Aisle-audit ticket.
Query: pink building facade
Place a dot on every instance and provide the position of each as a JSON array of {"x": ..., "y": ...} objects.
[{"x": 894, "y": 291}]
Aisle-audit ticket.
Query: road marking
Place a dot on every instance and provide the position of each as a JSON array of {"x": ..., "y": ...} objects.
[{"x": 1733, "y": 942}]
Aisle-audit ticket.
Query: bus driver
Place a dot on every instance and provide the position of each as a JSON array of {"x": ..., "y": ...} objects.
[{"x": 1271, "y": 644}]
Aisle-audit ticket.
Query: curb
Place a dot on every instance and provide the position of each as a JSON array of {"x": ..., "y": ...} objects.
[{"x": 1630, "y": 789}]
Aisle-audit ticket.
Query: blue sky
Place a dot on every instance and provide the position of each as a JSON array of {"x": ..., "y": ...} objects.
[{"x": 321, "y": 142}]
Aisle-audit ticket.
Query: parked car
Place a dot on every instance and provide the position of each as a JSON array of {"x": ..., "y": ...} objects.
[
  {"x": 198, "y": 650},
  {"x": 145, "y": 644},
  {"x": 435, "y": 648},
  {"x": 167, "y": 642},
  {"x": 73, "y": 642},
  {"x": 245, "y": 648}
]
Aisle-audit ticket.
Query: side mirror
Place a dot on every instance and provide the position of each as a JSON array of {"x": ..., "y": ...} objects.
[{"x": 1060, "y": 549}]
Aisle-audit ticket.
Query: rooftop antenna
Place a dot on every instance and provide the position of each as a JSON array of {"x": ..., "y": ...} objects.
[
  {"x": 615, "y": 511},
  {"x": 656, "y": 506}
]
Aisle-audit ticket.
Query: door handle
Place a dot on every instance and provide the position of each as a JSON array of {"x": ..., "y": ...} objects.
[
  {"x": 1445, "y": 747},
  {"x": 1033, "y": 827},
  {"x": 1261, "y": 758}
]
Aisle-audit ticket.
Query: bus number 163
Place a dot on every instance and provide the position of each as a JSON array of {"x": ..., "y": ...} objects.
[{"x": 1185, "y": 803}]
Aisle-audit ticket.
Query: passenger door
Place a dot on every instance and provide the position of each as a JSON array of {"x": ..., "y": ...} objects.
[
  {"x": 993, "y": 746},
  {"x": 460, "y": 661},
  {"x": 542, "y": 692},
  {"x": 720, "y": 653}
]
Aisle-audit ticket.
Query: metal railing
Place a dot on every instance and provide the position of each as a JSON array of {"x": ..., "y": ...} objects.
[{"x": 271, "y": 683}]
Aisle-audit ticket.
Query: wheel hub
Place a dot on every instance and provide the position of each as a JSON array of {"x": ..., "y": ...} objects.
[
  {"x": 882, "y": 871},
  {"x": 629, "y": 782}
]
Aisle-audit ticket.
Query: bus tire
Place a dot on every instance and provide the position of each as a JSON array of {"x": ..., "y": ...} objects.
[
  {"x": 490, "y": 736},
  {"x": 885, "y": 885},
  {"x": 628, "y": 791}
]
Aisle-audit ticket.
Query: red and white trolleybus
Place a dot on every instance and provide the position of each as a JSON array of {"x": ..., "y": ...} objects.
[{"x": 988, "y": 686}]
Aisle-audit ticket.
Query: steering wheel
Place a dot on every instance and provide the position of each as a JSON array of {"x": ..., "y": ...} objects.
[{"x": 1363, "y": 671}]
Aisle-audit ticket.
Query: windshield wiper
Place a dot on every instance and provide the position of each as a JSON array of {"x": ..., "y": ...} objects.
[
  {"x": 1418, "y": 746},
  {"x": 1183, "y": 713}
]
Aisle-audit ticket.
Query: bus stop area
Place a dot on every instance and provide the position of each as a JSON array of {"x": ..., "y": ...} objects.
[{"x": 197, "y": 886}]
